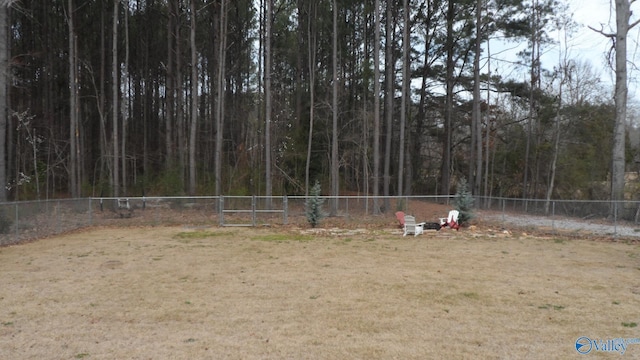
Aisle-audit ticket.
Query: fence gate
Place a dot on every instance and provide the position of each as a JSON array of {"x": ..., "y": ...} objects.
[{"x": 253, "y": 211}]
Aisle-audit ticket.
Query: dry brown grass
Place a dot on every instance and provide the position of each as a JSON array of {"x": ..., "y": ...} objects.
[{"x": 291, "y": 293}]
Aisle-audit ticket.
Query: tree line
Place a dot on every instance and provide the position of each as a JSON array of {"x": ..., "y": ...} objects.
[{"x": 265, "y": 97}]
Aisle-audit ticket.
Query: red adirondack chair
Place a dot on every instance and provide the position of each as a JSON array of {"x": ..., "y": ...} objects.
[{"x": 400, "y": 217}]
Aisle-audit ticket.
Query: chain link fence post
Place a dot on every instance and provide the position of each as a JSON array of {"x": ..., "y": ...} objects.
[
  {"x": 615, "y": 219},
  {"x": 553, "y": 216},
  {"x": 253, "y": 210},
  {"x": 285, "y": 210},
  {"x": 221, "y": 211},
  {"x": 17, "y": 222}
]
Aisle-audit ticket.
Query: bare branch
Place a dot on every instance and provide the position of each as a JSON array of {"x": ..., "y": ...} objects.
[
  {"x": 601, "y": 31},
  {"x": 634, "y": 24}
]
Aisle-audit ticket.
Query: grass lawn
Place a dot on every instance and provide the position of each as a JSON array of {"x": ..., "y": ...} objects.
[{"x": 289, "y": 293}]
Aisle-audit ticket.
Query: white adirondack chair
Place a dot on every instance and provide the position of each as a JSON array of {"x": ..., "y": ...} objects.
[
  {"x": 411, "y": 227},
  {"x": 452, "y": 220}
]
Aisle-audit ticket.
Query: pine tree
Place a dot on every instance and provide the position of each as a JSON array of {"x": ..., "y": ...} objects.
[
  {"x": 313, "y": 206},
  {"x": 464, "y": 202}
]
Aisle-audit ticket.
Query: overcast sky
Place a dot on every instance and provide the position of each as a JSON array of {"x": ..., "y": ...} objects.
[
  {"x": 588, "y": 44},
  {"x": 598, "y": 15},
  {"x": 585, "y": 44}
]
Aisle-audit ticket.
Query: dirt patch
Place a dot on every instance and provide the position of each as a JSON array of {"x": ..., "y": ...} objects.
[{"x": 296, "y": 293}]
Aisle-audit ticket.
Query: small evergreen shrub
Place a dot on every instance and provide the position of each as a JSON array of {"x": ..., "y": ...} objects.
[
  {"x": 464, "y": 202},
  {"x": 313, "y": 206}
]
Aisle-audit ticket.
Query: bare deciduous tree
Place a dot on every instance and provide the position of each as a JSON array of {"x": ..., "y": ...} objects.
[
  {"x": 312, "y": 43},
  {"x": 475, "y": 176},
  {"x": 389, "y": 94},
  {"x": 194, "y": 101},
  {"x": 335, "y": 191},
  {"x": 623, "y": 15},
  {"x": 405, "y": 93},
  {"x": 73, "y": 105},
  {"x": 4, "y": 76},
  {"x": 376, "y": 108},
  {"x": 267, "y": 99},
  {"x": 619, "y": 39},
  {"x": 115, "y": 69}
]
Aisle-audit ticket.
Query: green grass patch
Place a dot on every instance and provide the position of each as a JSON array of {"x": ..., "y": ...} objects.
[
  {"x": 471, "y": 295},
  {"x": 201, "y": 234},
  {"x": 630, "y": 324},
  {"x": 551, "y": 306},
  {"x": 283, "y": 237}
]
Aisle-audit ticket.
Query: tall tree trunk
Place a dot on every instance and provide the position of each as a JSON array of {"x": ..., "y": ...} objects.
[
  {"x": 405, "y": 94},
  {"x": 194, "y": 102},
  {"x": 4, "y": 77},
  {"x": 487, "y": 138},
  {"x": 421, "y": 116},
  {"x": 125, "y": 108},
  {"x": 556, "y": 147},
  {"x": 267, "y": 100},
  {"x": 171, "y": 88},
  {"x": 101, "y": 90},
  {"x": 475, "y": 177},
  {"x": 388, "y": 97},
  {"x": 312, "y": 40},
  {"x": 256, "y": 161},
  {"x": 78, "y": 130},
  {"x": 535, "y": 74},
  {"x": 299, "y": 75},
  {"x": 335, "y": 191},
  {"x": 445, "y": 182},
  {"x": 376, "y": 109},
  {"x": 219, "y": 108},
  {"x": 180, "y": 116},
  {"x": 366, "y": 121},
  {"x": 73, "y": 106},
  {"x": 115, "y": 68},
  {"x": 623, "y": 14},
  {"x": 562, "y": 68}
]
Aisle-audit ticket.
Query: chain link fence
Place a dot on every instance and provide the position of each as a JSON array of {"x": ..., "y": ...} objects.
[{"x": 29, "y": 220}]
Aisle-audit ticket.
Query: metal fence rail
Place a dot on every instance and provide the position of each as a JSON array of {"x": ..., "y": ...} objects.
[
  {"x": 259, "y": 205},
  {"x": 29, "y": 220}
]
